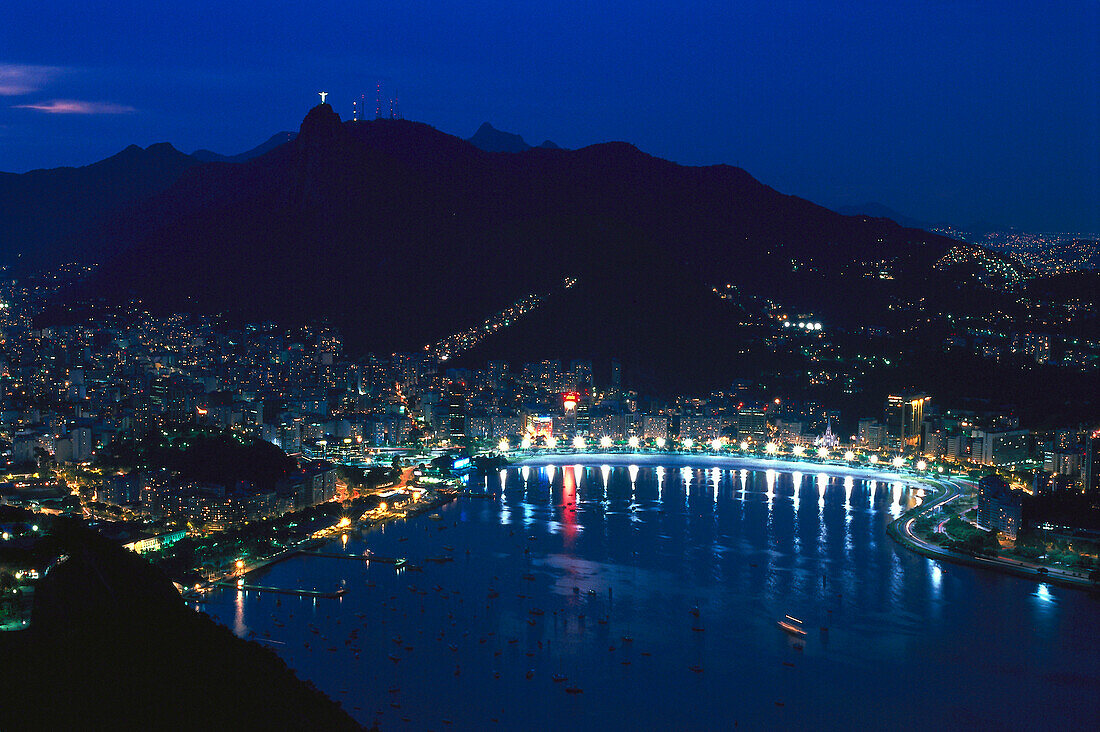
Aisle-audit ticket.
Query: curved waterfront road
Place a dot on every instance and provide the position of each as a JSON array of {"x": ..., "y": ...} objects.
[{"x": 902, "y": 531}]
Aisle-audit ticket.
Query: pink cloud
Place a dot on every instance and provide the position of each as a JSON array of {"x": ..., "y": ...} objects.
[
  {"x": 17, "y": 79},
  {"x": 73, "y": 106}
]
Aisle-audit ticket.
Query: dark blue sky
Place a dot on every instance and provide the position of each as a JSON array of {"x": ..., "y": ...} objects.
[{"x": 946, "y": 111}]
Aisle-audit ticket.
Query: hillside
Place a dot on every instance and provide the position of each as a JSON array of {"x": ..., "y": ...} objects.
[
  {"x": 45, "y": 214},
  {"x": 401, "y": 234},
  {"x": 112, "y": 646}
]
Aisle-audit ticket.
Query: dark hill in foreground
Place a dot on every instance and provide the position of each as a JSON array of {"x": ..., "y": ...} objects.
[
  {"x": 112, "y": 646},
  {"x": 401, "y": 234}
]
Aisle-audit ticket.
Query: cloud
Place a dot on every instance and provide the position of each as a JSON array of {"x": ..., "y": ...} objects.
[
  {"x": 73, "y": 106},
  {"x": 18, "y": 79}
]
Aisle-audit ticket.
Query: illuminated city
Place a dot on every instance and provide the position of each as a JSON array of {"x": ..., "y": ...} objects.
[{"x": 376, "y": 426}]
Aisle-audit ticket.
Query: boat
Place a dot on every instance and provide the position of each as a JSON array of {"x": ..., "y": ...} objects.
[
  {"x": 558, "y": 678},
  {"x": 400, "y": 563},
  {"x": 792, "y": 626},
  {"x": 574, "y": 690}
]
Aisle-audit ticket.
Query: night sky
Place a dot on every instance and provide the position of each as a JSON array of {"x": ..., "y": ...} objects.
[{"x": 949, "y": 111}]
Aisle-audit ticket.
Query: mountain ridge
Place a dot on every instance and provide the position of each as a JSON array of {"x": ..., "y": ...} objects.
[{"x": 402, "y": 234}]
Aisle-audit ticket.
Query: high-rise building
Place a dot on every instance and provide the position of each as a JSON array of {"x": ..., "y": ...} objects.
[
  {"x": 1090, "y": 470},
  {"x": 752, "y": 424},
  {"x": 904, "y": 417},
  {"x": 999, "y": 507},
  {"x": 456, "y": 413}
]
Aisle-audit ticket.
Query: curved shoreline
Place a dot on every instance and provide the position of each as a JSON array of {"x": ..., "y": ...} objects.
[
  {"x": 676, "y": 459},
  {"x": 900, "y": 529}
]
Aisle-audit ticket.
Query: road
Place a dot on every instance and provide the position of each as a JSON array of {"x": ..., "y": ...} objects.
[{"x": 1027, "y": 569}]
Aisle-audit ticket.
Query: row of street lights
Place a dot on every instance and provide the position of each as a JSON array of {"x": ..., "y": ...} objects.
[{"x": 716, "y": 445}]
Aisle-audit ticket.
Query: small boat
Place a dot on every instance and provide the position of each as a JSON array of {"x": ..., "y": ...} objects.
[
  {"x": 530, "y": 673},
  {"x": 574, "y": 690},
  {"x": 558, "y": 678},
  {"x": 536, "y": 611},
  {"x": 696, "y": 669},
  {"x": 792, "y": 626},
  {"x": 695, "y": 611},
  {"x": 400, "y": 563}
]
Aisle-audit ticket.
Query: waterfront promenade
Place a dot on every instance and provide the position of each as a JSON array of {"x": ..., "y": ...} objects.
[{"x": 901, "y": 530}]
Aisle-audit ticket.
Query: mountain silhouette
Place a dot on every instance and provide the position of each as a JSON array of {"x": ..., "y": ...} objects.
[
  {"x": 279, "y": 138},
  {"x": 43, "y": 213},
  {"x": 401, "y": 234},
  {"x": 490, "y": 139}
]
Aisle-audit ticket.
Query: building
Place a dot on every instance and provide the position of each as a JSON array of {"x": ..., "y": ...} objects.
[
  {"x": 752, "y": 424},
  {"x": 655, "y": 426},
  {"x": 872, "y": 433},
  {"x": 904, "y": 418},
  {"x": 1090, "y": 469},
  {"x": 1008, "y": 448},
  {"x": 999, "y": 507},
  {"x": 456, "y": 413}
]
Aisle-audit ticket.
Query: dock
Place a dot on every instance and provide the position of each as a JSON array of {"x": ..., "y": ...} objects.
[{"x": 280, "y": 591}]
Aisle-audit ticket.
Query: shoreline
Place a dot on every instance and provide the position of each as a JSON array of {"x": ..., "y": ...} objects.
[
  {"x": 310, "y": 544},
  {"x": 901, "y": 531}
]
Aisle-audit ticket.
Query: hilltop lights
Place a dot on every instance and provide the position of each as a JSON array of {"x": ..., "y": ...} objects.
[
  {"x": 771, "y": 448},
  {"x": 578, "y": 443},
  {"x": 633, "y": 442},
  {"x": 605, "y": 442}
]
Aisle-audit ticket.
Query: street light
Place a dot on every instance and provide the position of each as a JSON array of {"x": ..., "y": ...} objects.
[
  {"x": 633, "y": 442},
  {"x": 689, "y": 443},
  {"x": 873, "y": 459},
  {"x": 921, "y": 465},
  {"x": 660, "y": 443},
  {"x": 502, "y": 445},
  {"x": 744, "y": 444},
  {"x": 798, "y": 450},
  {"x": 823, "y": 452},
  {"x": 849, "y": 455},
  {"x": 551, "y": 442},
  {"x": 716, "y": 444},
  {"x": 525, "y": 443},
  {"x": 899, "y": 461},
  {"x": 605, "y": 442},
  {"x": 578, "y": 443},
  {"x": 771, "y": 448}
]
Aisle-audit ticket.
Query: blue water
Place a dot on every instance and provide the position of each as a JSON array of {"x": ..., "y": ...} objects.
[{"x": 909, "y": 642}]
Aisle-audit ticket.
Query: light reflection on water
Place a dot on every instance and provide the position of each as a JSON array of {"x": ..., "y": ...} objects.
[{"x": 623, "y": 556}]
